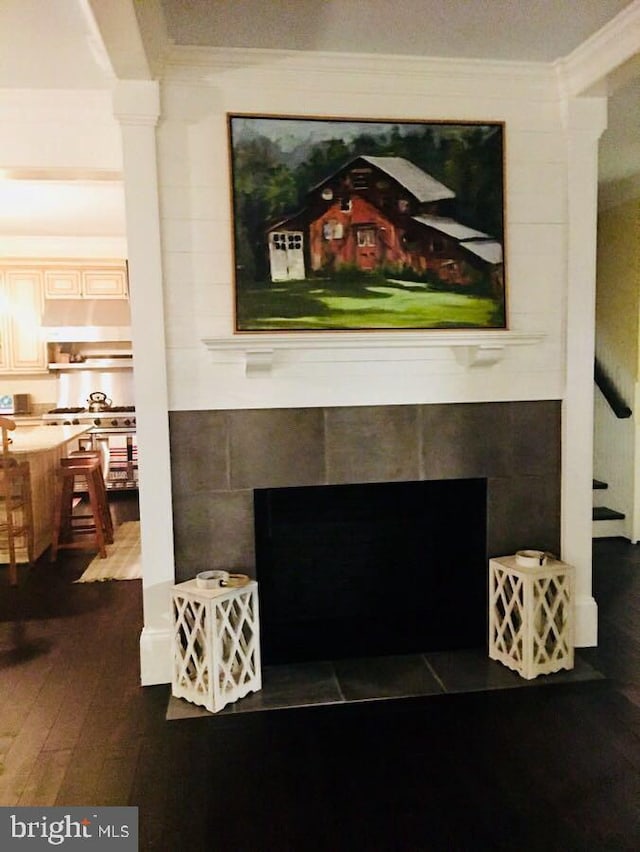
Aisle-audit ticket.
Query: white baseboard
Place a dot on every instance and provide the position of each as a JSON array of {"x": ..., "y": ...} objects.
[
  {"x": 155, "y": 656},
  {"x": 586, "y": 623}
]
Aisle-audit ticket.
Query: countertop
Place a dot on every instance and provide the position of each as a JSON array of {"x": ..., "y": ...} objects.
[
  {"x": 38, "y": 439},
  {"x": 26, "y": 419}
]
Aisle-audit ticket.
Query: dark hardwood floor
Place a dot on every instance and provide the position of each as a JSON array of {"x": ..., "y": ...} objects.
[{"x": 549, "y": 768}]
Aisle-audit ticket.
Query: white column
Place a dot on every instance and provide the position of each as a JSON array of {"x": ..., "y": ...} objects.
[
  {"x": 585, "y": 121},
  {"x": 137, "y": 107}
]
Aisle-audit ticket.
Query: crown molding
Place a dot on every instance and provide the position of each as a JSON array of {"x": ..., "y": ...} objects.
[
  {"x": 585, "y": 70},
  {"x": 193, "y": 61}
]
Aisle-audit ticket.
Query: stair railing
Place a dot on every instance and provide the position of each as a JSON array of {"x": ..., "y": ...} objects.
[{"x": 610, "y": 392}]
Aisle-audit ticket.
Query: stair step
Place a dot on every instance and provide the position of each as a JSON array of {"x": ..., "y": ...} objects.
[
  {"x": 602, "y": 513},
  {"x": 599, "y": 484}
]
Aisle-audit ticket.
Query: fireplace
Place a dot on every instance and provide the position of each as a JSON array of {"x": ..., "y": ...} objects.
[
  {"x": 371, "y": 569},
  {"x": 220, "y": 459}
]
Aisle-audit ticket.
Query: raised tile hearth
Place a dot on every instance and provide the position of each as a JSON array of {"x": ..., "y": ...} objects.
[{"x": 381, "y": 679}]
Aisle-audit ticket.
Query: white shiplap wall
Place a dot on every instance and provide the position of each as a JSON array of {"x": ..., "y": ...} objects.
[{"x": 201, "y": 86}]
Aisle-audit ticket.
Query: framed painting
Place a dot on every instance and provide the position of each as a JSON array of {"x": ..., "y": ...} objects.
[{"x": 352, "y": 224}]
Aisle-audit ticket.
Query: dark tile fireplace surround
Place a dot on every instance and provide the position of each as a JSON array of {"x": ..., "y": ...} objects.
[{"x": 219, "y": 457}]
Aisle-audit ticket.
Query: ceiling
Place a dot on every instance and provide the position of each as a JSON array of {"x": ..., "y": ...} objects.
[
  {"x": 71, "y": 53},
  {"x": 525, "y": 30},
  {"x": 63, "y": 34}
]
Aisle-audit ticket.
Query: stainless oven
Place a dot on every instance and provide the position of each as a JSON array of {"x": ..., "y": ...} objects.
[
  {"x": 113, "y": 435},
  {"x": 119, "y": 453}
]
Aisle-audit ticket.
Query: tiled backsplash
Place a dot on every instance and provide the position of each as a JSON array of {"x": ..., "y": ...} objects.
[{"x": 219, "y": 457}]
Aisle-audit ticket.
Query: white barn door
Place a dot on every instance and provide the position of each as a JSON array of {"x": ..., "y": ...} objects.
[{"x": 286, "y": 257}]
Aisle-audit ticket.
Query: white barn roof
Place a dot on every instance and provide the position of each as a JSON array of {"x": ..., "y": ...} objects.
[
  {"x": 451, "y": 228},
  {"x": 488, "y": 250},
  {"x": 419, "y": 183},
  {"x": 477, "y": 242}
]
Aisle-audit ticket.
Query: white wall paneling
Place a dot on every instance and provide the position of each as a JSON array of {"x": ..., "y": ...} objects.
[{"x": 200, "y": 86}]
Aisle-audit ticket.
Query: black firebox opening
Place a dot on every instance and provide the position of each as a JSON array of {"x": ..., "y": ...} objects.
[{"x": 371, "y": 570}]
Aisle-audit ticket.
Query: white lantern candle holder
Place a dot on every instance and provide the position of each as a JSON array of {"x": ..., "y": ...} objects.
[
  {"x": 216, "y": 643},
  {"x": 531, "y": 615}
]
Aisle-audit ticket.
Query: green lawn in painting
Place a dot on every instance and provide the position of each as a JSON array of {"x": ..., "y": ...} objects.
[{"x": 304, "y": 305}]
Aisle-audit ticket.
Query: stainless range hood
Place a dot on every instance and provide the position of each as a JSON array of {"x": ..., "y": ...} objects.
[{"x": 86, "y": 320}]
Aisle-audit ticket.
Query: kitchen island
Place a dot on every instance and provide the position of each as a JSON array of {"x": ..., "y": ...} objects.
[{"x": 43, "y": 447}]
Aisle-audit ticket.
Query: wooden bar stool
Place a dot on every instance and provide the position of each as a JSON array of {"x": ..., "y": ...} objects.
[
  {"x": 81, "y": 531},
  {"x": 16, "y": 510}
]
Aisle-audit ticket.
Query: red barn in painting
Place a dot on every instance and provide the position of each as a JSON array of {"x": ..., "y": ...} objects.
[{"x": 382, "y": 213}]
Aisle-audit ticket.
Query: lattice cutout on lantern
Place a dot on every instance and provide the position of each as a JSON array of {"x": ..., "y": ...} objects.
[
  {"x": 531, "y": 616},
  {"x": 216, "y": 644},
  {"x": 551, "y": 608},
  {"x": 191, "y": 659},
  {"x": 508, "y": 602},
  {"x": 236, "y": 634}
]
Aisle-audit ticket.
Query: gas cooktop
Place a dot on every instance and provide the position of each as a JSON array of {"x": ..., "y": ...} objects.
[{"x": 82, "y": 410}]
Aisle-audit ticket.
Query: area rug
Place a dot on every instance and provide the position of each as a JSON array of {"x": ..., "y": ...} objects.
[{"x": 123, "y": 557}]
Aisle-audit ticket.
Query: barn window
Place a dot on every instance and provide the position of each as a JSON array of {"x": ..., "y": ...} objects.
[
  {"x": 345, "y": 205},
  {"x": 283, "y": 241},
  {"x": 360, "y": 178},
  {"x": 366, "y": 237},
  {"x": 332, "y": 230}
]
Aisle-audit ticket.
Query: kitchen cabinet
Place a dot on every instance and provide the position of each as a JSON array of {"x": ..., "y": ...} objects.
[
  {"x": 62, "y": 283},
  {"x": 22, "y": 346},
  {"x": 24, "y": 286},
  {"x": 102, "y": 281},
  {"x": 4, "y": 326},
  {"x": 43, "y": 447}
]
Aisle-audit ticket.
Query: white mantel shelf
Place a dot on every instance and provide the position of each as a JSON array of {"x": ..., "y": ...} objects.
[{"x": 471, "y": 348}]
